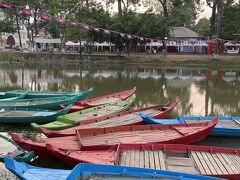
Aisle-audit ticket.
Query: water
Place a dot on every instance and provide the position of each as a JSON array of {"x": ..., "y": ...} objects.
[{"x": 201, "y": 91}]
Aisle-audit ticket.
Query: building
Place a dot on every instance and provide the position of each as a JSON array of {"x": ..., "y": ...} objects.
[
  {"x": 182, "y": 33},
  {"x": 9, "y": 40}
]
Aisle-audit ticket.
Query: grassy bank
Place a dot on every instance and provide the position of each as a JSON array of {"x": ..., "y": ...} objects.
[{"x": 126, "y": 60}]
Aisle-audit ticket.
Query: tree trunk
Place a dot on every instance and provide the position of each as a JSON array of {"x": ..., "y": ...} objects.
[
  {"x": 18, "y": 30},
  {"x": 164, "y": 6},
  {"x": 87, "y": 5},
  {"x": 213, "y": 17},
  {"x": 120, "y": 7}
]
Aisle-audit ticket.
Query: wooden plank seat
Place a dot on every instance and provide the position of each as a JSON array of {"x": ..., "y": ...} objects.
[
  {"x": 122, "y": 120},
  {"x": 192, "y": 162}
]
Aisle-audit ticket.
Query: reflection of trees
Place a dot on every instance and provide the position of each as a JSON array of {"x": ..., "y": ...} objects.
[
  {"x": 223, "y": 95},
  {"x": 184, "y": 107}
]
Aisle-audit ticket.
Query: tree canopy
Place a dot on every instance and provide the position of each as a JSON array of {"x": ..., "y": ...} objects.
[{"x": 155, "y": 22}]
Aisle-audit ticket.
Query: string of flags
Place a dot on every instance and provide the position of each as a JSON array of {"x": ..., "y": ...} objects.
[{"x": 27, "y": 12}]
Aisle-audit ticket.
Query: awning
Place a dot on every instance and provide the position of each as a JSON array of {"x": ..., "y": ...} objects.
[{"x": 49, "y": 41}]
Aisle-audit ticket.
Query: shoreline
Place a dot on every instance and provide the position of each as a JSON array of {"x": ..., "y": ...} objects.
[{"x": 185, "y": 60}]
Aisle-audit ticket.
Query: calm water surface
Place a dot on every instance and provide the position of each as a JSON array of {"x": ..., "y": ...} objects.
[{"x": 201, "y": 91}]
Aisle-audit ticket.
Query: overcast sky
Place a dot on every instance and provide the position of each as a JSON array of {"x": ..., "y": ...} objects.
[{"x": 206, "y": 10}]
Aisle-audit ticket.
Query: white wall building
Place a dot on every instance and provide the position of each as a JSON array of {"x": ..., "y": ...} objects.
[{"x": 7, "y": 40}]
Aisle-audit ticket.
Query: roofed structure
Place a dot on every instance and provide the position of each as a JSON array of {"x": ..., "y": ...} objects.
[{"x": 182, "y": 33}]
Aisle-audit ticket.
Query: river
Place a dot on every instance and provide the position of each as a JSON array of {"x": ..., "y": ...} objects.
[{"x": 201, "y": 91}]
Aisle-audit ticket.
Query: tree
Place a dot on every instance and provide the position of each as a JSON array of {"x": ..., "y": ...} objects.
[
  {"x": 217, "y": 6},
  {"x": 203, "y": 27},
  {"x": 230, "y": 25}
]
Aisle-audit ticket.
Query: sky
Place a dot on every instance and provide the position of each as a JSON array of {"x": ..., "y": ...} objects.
[{"x": 206, "y": 10}]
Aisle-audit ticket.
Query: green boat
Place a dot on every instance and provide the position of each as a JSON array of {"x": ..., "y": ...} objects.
[
  {"x": 41, "y": 94},
  {"x": 29, "y": 115},
  {"x": 9, "y": 148},
  {"x": 74, "y": 119},
  {"x": 45, "y": 103},
  {"x": 7, "y": 97}
]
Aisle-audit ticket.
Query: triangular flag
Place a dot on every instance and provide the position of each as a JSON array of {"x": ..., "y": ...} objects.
[
  {"x": 72, "y": 23},
  {"x": 26, "y": 12},
  {"x": 122, "y": 35},
  {"x": 96, "y": 29},
  {"x": 60, "y": 20},
  {"x": 129, "y": 36},
  {"x": 44, "y": 16},
  {"x": 86, "y": 27},
  {"x": 106, "y": 31}
]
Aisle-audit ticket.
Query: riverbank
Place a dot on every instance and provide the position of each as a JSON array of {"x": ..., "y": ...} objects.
[{"x": 179, "y": 60}]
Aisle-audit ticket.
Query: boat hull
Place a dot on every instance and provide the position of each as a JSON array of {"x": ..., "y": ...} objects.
[
  {"x": 27, "y": 115},
  {"x": 90, "y": 139},
  {"x": 74, "y": 119},
  {"x": 227, "y": 125},
  {"x": 88, "y": 171},
  {"x": 119, "y": 119},
  {"x": 93, "y": 102},
  {"x": 205, "y": 160},
  {"x": 11, "y": 149}
]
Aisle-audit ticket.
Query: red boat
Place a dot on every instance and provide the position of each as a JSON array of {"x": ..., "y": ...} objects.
[
  {"x": 105, "y": 137},
  {"x": 80, "y": 105},
  {"x": 204, "y": 160},
  {"x": 120, "y": 119}
]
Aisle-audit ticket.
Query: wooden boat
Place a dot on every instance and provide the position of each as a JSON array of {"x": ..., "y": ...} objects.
[
  {"x": 93, "y": 102},
  {"x": 130, "y": 117},
  {"x": 95, "y": 171},
  {"x": 204, "y": 160},
  {"x": 29, "y": 115},
  {"x": 105, "y": 137},
  {"x": 73, "y": 119},
  {"x": 9, "y": 148},
  {"x": 5, "y": 97},
  {"x": 47, "y": 94},
  {"x": 44, "y": 103},
  {"x": 227, "y": 125}
]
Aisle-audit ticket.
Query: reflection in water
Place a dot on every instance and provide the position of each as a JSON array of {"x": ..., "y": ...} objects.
[{"x": 202, "y": 92}]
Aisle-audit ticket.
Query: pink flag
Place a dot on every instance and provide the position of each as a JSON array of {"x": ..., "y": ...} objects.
[
  {"x": 129, "y": 36},
  {"x": 86, "y": 27},
  {"x": 6, "y": 6},
  {"x": 73, "y": 23},
  {"x": 96, "y": 29},
  {"x": 60, "y": 20},
  {"x": 44, "y": 16},
  {"x": 26, "y": 12},
  {"x": 122, "y": 35},
  {"x": 106, "y": 31}
]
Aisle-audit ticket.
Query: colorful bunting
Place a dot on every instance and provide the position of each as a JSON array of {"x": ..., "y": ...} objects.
[
  {"x": 129, "y": 36},
  {"x": 96, "y": 29},
  {"x": 122, "y": 34},
  {"x": 106, "y": 31},
  {"x": 86, "y": 27},
  {"x": 72, "y": 23},
  {"x": 44, "y": 16},
  {"x": 60, "y": 20},
  {"x": 6, "y": 6},
  {"x": 26, "y": 12}
]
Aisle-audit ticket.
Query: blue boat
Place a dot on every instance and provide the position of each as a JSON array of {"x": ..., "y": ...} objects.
[
  {"x": 227, "y": 125},
  {"x": 94, "y": 171}
]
